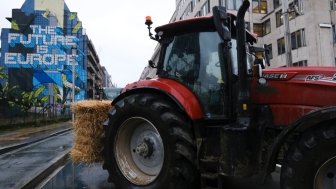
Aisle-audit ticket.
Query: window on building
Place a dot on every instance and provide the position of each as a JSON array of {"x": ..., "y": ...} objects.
[
  {"x": 258, "y": 29},
  {"x": 208, "y": 6},
  {"x": 293, "y": 40},
  {"x": 192, "y": 7},
  {"x": 281, "y": 46},
  {"x": 259, "y": 6},
  {"x": 278, "y": 18},
  {"x": 291, "y": 15},
  {"x": 189, "y": 9},
  {"x": 295, "y": 8},
  {"x": 298, "y": 39},
  {"x": 194, "y": 2},
  {"x": 234, "y": 4},
  {"x": 263, "y": 28},
  {"x": 332, "y": 4},
  {"x": 266, "y": 27},
  {"x": 222, "y": 3},
  {"x": 334, "y": 33},
  {"x": 205, "y": 8},
  {"x": 302, "y": 63},
  {"x": 276, "y": 3},
  {"x": 270, "y": 51}
]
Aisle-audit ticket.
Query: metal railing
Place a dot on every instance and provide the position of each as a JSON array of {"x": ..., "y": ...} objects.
[{"x": 35, "y": 115}]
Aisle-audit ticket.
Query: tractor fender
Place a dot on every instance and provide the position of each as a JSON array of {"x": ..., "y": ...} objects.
[
  {"x": 306, "y": 122},
  {"x": 179, "y": 94}
]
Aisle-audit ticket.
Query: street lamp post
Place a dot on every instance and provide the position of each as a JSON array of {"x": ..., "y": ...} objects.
[
  {"x": 100, "y": 92},
  {"x": 296, "y": 9},
  {"x": 93, "y": 86},
  {"x": 288, "y": 42},
  {"x": 74, "y": 52}
]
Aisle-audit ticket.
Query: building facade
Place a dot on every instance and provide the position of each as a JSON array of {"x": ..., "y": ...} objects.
[
  {"x": 107, "y": 80},
  {"x": 306, "y": 38},
  {"x": 46, "y": 45}
]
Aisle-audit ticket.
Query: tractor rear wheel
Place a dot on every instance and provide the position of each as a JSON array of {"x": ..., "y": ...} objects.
[
  {"x": 311, "y": 162},
  {"x": 149, "y": 144}
]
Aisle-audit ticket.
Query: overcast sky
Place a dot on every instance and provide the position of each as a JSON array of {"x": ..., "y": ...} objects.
[{"x": 116, "y": 29}]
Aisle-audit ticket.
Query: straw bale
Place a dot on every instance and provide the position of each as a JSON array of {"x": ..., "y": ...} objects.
[{"x": 88, "y": 129}]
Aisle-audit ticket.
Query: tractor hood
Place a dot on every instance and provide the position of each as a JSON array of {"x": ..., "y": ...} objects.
[{"x": 293, "y": 92}]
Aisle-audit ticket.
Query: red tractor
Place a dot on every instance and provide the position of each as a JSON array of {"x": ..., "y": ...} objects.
[{"x": 212, "y": 111}]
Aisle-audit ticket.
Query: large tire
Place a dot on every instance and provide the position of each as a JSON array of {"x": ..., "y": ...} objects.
[
  {"x": 311, "y": 162},
  {"x": 149, "y": 145}
]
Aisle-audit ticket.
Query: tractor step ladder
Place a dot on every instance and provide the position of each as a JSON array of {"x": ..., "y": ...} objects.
[{"x": 210, "y": 178}]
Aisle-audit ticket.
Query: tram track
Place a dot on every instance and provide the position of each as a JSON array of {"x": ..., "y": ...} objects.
[
  {"x": 17, "y": 146},
  {"x": 31, "y": 162},
  {"x": 41, "y": 177}
]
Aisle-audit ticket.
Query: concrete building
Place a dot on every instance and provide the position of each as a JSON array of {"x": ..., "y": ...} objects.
[
  {"x": 107, "y": 80},
  {"x": 96, "y": 73},
  {"x": 40, "y": 48},
  {"x": 308, "y": 40}
]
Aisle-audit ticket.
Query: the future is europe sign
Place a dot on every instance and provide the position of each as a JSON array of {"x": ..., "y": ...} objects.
[{"x": 49, "y": 45}]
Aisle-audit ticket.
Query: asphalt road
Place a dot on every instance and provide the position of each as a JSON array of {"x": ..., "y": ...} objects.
[{"x": 94, "y": 177}]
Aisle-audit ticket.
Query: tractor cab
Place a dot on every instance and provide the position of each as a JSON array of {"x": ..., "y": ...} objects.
[{"x": 201, "y": 53}]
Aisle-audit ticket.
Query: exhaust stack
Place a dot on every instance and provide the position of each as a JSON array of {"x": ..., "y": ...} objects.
[{"x": 243, "y": 101}]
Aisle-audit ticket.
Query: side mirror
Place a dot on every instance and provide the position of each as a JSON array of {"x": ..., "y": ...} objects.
[
  {"x": 222, "y": 22},
  {"x": 267, "y": 52},
  {"x": 257, "y": 71}
]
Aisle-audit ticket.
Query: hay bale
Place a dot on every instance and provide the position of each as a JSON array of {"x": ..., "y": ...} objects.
[{"x": 88, "y": 129}]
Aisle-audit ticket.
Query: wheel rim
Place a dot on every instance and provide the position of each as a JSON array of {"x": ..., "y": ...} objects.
[
  {"x": 326, "y": 175},
  {"x": 139, "y": 151}
]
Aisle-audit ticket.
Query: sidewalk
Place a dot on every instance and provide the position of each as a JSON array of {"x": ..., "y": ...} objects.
[
  {"x": 28, "y": 166},
  {"x": 26, "y": 135}
]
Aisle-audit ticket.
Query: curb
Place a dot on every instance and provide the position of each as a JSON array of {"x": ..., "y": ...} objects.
[{"x": 56, "y": 163}]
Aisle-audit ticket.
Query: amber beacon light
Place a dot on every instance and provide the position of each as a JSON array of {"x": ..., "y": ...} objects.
[{"x": 148, "y": 20}]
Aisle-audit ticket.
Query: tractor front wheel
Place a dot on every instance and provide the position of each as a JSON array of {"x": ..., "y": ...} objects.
[{"x": 149, "y": 144}]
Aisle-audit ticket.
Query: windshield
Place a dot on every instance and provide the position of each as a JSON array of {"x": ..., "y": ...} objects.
[
  {"x": 193, "y": 60},
  {"x": 249, "y": 58}
]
